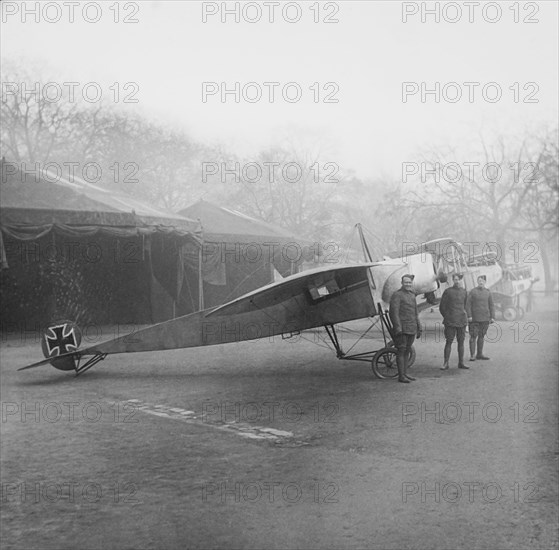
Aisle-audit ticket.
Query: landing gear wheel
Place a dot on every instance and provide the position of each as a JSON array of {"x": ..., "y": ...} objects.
[
  {"x": 520, "y": 312},
  {"x": 509, "y": 314},
  {"x": 384, "y": 363},
  {"x": 411, "y": 356}
]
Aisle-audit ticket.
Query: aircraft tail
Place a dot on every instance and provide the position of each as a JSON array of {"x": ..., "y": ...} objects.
[{"x": 60, "y": 343}]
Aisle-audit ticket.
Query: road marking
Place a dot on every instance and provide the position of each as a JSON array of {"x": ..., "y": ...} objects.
[{"x": 243, "y": 430}]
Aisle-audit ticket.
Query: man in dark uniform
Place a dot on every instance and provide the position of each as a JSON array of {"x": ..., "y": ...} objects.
[
  {"x": 453, "y": 310},
  {"x": 481, "y": 312},
  {"x": 405, "y": 323}
]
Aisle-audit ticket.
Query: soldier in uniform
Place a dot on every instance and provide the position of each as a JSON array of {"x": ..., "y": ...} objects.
[
  {"x": 405, "y": 322},
  {"x": 481, "y": 312},
  {"x": 453, "y": 310}
]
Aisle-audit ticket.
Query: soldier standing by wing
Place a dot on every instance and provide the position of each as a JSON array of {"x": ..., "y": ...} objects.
[{"x": 405, "y": 322}]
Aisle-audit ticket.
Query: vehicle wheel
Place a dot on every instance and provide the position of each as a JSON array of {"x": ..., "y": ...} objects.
[
  {"x": 411, "y": 357},
  {"x": 520, "y": 312},
  {"x": 384, "y": 363},
  {"x": 509, "y": 314}
]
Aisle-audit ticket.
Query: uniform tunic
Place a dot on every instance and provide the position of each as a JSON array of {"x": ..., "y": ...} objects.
[
  {"x": 453, "y": 307},
  {"x": 479, "y": 305},
  {"x": 403, "y": 312}
]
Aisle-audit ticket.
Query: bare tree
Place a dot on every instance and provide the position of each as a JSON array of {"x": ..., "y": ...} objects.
[
  {"x": 505, "y": 191},
  {"x": 296, "y": 189},
  {"x": 35, "y": 129},
  {"x": 542, "y": 202},
  {"x": 106, "y": 146}
]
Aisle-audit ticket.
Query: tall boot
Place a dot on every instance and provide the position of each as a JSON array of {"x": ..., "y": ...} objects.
[
  {"x": 447, "y": 350},
  {"x": 480, "y": 342},
  {"x": 406, "y": 363},
  {"x": 400, "y": 362},
  {"x": 472, "y": 347},
  {"x": 461, "y": 355}
]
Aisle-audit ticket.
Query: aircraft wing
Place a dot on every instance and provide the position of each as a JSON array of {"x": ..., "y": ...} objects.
[{"x": 312, "y": 285}]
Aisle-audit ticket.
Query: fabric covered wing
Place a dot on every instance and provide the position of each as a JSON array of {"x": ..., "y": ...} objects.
[{"x": 319, "y": 298}]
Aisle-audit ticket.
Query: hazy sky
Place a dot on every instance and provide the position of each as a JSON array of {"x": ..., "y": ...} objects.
[{"x": 365, "y": 56}]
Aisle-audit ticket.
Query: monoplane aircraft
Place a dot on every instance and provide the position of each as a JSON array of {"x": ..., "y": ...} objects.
[
  {"x": 322, "y": 297},
  {"x": 507, "y": 282}
]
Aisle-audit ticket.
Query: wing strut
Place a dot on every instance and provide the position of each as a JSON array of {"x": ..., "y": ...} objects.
[{"x": 331, "y": 331}]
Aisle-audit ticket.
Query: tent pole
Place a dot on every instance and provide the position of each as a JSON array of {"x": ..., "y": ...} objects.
[
  {"x": 200, "y": 280},
  {"x": 53, "y": 295}
]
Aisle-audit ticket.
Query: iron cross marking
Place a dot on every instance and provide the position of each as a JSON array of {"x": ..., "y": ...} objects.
[{"x": 62, "y": 338}]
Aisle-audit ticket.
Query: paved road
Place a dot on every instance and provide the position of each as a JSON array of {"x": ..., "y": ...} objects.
[{"x": 280, "y": 445}]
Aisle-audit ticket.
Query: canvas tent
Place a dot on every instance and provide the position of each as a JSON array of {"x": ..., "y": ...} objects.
[
  {"x": 73, "y": 249},
  {"x": 241, "y": 253}
]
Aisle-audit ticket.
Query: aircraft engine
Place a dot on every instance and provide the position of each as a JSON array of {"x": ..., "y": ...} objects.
[
  {"x": 420, "y": 265},
  {"x": 423, "y": 267}
]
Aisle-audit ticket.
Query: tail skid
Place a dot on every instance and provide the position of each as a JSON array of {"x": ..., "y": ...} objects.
[{"x": 89, "y": 363}]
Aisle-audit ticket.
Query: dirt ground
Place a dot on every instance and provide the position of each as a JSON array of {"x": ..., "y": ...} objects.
[{"x": 278, "y": 444}]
